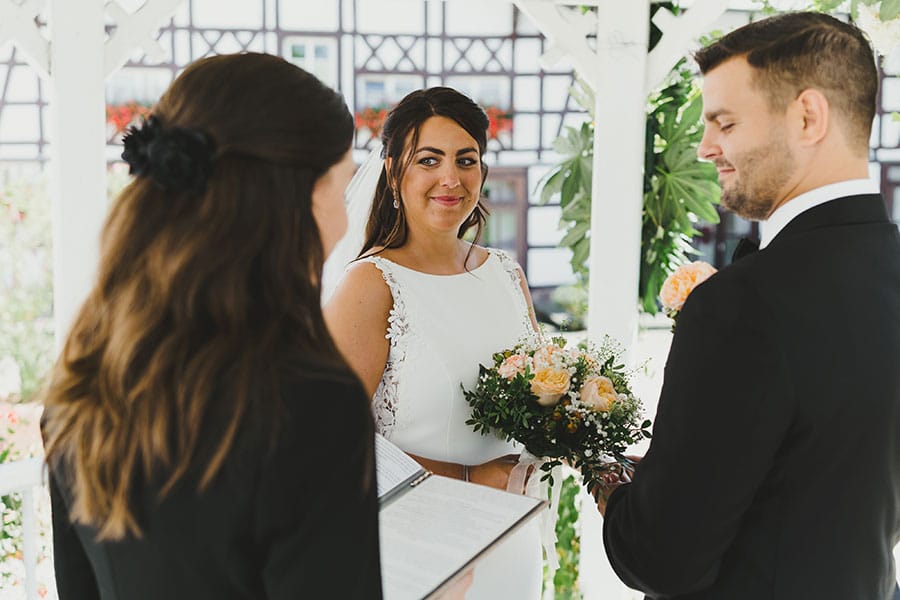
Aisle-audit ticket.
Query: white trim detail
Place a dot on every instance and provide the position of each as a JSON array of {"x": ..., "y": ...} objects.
[
  {"x": 566, "y": 29},
  {"x": 17, "y": 25},
  {"x": 679, "y": 34},
  {"x": 137, "y": 29}
]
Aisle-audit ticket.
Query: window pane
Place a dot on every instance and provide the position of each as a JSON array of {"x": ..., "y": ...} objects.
[
  {"x": 543, "y": 226},
  {"x": 549, "y": 267}
]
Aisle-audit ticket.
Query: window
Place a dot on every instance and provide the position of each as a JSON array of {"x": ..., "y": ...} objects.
[{"x": 318, "y": 55}]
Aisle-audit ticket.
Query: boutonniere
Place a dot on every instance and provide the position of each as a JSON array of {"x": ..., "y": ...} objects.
[{"x": 679, "y": 285}]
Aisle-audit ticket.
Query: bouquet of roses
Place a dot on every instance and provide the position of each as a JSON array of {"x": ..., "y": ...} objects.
[{"x": 564, "y": 404}]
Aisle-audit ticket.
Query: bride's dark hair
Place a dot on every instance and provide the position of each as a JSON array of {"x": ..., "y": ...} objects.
[
  {"x": 387, "y": 225},
  {"x": 208, "y": 291}
]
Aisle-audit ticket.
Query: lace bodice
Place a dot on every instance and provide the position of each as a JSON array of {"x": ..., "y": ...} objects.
[{"x": 441, "y": 327}]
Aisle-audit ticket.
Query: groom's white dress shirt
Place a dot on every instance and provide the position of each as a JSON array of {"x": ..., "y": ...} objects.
[{"x": 786, "y": 213}]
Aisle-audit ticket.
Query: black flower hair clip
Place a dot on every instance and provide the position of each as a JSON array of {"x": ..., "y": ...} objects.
[{"x": 175, "y": 158}]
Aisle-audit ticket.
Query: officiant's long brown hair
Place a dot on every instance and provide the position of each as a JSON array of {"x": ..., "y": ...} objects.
[
  {"x": 206, "y": 298},
  {"x": 387, "y": 225}
]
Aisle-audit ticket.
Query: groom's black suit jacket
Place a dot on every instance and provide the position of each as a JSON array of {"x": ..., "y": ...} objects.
[{"x": 774, "y": 470}]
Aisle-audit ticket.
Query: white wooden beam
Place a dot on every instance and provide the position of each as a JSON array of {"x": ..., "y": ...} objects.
[
  {"x": 137, "y": 29},
  {"x": 679, "y": 33},
  {"x": 18, "y": 25},
  {"x": 566, "y": 30}
]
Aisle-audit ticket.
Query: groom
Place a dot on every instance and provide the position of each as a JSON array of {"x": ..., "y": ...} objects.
[{"x": 774, "y": 471}]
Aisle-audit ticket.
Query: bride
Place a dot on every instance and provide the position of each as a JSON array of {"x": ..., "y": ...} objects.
[{"x": 421, "y": 308}]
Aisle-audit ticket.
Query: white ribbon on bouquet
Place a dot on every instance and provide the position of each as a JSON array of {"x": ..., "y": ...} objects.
[{"x": 521, "y": 483}]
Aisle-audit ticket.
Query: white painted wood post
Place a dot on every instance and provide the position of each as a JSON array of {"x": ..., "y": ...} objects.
[
  {"x": 24, "y": 477},
  {"x": 77, "y": 146},
  {"x": 622, "y": 35}
]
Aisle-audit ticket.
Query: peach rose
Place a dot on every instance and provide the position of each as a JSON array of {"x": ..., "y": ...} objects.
[
  {"x": 512, "y": 366},
  {"x": 544, "y": 357},
  {"x": 549, "y": 385},
  {"x": 598, "y": 393},
  {"x": 678, "y": 285}
]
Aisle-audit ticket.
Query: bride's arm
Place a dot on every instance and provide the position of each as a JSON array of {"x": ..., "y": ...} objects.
[
  {"x": 357, "y": 317},
  {"x": 527, "y": 293}
]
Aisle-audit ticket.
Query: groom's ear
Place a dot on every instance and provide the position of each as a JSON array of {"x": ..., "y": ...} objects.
[{"x": 814, "y": 116}]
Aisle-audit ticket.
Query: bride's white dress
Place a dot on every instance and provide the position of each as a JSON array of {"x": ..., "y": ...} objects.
[{"x": 441, "y": 328}]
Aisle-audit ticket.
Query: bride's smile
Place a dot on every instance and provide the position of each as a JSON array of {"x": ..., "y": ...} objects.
[{"x": 448, "y": 200}]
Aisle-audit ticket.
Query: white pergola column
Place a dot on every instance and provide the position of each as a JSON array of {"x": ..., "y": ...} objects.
[
  {"x": 77, "y": 145},
  {"x": 81, "y": 58},
  {"x": 617, "y": 189}
]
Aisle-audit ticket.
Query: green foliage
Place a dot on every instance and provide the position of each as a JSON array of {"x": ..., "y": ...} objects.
[
  {"x": 679, "y": 189},
  {"x": 571, "y": 181},
  {"x": 888, "y": 9},
  {"x": 26, "y": 292},
  {"x": 568, "y": 543}
]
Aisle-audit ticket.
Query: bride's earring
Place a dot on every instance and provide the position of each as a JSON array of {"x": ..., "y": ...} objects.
[{"x": 396, "y": 199}]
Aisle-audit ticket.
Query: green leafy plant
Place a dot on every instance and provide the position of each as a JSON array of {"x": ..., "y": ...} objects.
[
  {"x": 571, "y": 181},
  {"x": 679, "y": 189}
]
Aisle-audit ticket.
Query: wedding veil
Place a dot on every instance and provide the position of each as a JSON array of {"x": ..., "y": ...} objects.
[{"x": 358, "y": 199}]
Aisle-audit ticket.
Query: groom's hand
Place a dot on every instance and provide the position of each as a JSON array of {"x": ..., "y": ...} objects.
[
  {"x": 602, "y": 492},
  {"x": 611, "y": 480}
]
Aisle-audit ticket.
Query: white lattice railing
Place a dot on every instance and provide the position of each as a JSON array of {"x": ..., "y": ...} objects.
[{"x": 26, "y": 477}]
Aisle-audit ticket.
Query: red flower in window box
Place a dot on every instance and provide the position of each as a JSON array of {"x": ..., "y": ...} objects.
[
  {"x": 121, "y": 116},
  {"x": 371, "y": 118},
  {"x": 499, "y": 121}
]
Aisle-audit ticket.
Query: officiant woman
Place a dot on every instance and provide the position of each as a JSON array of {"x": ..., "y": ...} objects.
[{"x": 205, "y": 438}]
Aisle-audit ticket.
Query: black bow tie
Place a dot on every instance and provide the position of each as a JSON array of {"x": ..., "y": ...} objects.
[{"x": 745, "y": 246}]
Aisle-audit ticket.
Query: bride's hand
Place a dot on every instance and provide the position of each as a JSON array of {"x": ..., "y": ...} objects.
[{"x": 494, "y": 473}]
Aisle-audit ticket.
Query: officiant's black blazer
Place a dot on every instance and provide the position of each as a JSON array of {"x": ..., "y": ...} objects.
[
  {"x": 293, "y": 520},
  {"x": 774, "y": 470}
]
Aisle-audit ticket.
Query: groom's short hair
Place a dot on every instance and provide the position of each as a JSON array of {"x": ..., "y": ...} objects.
[{"x": 793, "y": 52}]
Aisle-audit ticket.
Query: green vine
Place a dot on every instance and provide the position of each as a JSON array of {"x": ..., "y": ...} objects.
[{"x": 568, "y": 544}]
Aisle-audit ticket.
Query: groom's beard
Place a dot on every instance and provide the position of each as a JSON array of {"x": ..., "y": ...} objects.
[{"x": 761, "y": 175}]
